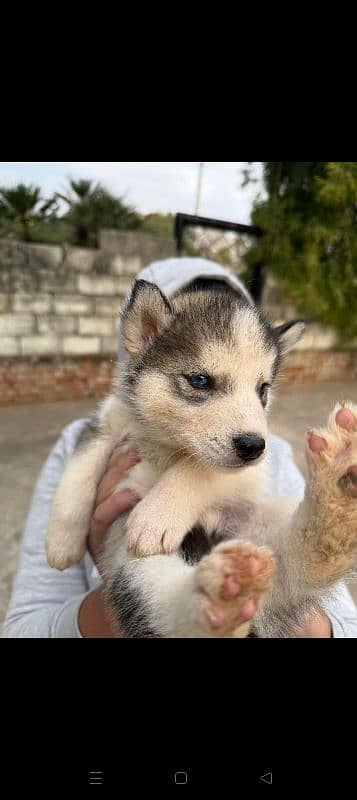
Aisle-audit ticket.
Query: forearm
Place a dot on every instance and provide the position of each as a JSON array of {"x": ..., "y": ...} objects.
[
  {"x": 44, "y": 603},
  {"x": 93, "y": 619}
]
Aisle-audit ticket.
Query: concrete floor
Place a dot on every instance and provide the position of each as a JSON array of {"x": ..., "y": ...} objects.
[{"x": 28, "y": 433}]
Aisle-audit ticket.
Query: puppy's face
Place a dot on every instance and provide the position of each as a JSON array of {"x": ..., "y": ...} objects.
[{"x": 201, "y": 372}]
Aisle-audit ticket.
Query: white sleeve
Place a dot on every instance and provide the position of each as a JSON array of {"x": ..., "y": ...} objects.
[
  {"x": 44, "y": 602},
  {"x": 341, "y": 611}
]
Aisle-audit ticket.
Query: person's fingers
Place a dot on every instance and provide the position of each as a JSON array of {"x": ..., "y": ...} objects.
[
  {"x": 96, "y": 536},
  {"x": 110, "y": 480},
  {"x": 119, "y": 467},
  {"x": 118, "y": 457},
  {"x": 104, "y": 516},
  {"x": 115, "y": 505}
]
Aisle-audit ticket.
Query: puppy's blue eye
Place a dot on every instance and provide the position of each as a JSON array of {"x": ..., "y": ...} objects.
[{"x": 199, "y": 381}]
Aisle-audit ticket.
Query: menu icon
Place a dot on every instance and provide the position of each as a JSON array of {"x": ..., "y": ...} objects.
[{"x": 96, "y": 778}]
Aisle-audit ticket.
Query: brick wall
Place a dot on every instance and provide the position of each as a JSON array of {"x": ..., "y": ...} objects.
[
  {"x": 305, "y": 366},
  {"x": 25, "y": 381},
  {"x": 45, "y": 380}
]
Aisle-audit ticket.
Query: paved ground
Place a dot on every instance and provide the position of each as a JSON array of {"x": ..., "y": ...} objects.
[{"x": 27, "y": 434}]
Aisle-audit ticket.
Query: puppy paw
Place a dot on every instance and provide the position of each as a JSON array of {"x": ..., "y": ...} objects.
[
  {"x": 332, "y": 451},
  {"x": 331, "y": 521},
  {"x": 62, "y": 554},
  {"x": 232, "y": 582},
  {"x": 151, "y": 534}
]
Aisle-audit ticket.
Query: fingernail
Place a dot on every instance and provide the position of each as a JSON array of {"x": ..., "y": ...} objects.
[
  {"x": 133, "y": 497},
  {"x": 248, "y": 610},
  {"x": 134, "y": 455},
  {"x": 253, "y": 566}
]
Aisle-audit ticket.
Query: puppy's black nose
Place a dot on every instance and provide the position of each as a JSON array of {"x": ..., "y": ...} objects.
[{"x": 249, "y": 446}]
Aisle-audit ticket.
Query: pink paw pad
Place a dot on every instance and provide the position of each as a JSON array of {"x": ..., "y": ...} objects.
[
  {"x": 249, "y": 610},
  {"x": 317, "y": 443},
  {"x": 345, "y": 419},
  {"x": 253, "y": 566},
  {"x": 215, "y": 617},
  {"x": 230, "y": 588}
]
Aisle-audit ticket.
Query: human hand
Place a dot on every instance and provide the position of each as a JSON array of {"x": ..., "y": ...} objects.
[
  {"x": 108, "y": 506},
  {"x": 93, "y": 619},
  {"x": 315, "y": 625}
]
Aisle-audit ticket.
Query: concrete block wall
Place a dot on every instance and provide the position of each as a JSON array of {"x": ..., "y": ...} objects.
[
  {"x": 317, "y": 337},
  {"x": 65, "y": 301}
]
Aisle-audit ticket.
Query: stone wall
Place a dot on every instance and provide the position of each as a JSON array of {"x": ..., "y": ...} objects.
[
  {"x": 317, "y": 337},
  {"x": 58, "y": 301}
]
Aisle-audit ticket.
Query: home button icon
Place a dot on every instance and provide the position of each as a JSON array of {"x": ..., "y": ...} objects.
[{"x": 181, "y": 778}]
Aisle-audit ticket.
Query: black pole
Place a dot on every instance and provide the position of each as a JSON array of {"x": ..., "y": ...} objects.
[
  {"x": 179, "y": 229},
  {"x": 257, "y": 283},
  {"x": 183, "y": 221}
]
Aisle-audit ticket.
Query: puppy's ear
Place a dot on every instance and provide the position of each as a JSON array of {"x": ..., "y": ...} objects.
[
  {"x": 145, "y": 315},
  {"x": 289, "y": 334}
]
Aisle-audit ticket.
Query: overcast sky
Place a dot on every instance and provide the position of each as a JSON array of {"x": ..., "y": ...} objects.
[{"x": 149, "y": 185}]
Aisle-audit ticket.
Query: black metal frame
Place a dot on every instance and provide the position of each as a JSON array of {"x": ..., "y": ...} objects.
[{"x": 191, "y": 221}]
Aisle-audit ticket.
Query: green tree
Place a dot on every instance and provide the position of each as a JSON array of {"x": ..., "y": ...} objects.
[
  {"x": 92, "y": 208},
  {"x": 20, "y": 207},
  {"x": 309, "y": 222},
  {"x": 159, "y": 225}
]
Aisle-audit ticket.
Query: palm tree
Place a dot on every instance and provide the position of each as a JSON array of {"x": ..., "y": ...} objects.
[
  {"x": 79, "y": 199},
  {"x": 21, "y": 206},
  {"x": 92, "y": 207}
]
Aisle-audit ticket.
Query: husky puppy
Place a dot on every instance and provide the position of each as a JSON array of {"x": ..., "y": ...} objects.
[{"x": 206, "y": 539}]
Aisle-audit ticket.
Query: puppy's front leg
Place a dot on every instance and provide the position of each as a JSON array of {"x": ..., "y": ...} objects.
[
  {"x": 73, "y": 504},
  {"x": 329, "y": 520},
  {"x": 161, "y": 521},
  {"x": 316, "y": 544}
]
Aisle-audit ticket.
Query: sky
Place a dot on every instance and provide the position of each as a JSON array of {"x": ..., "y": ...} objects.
[{"x": 166, "y": 186}]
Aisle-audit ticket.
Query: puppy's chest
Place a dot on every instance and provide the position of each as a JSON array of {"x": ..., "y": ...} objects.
[
  {"x": 213, "y": 528},
  {"x": 232, "y": 521}
]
